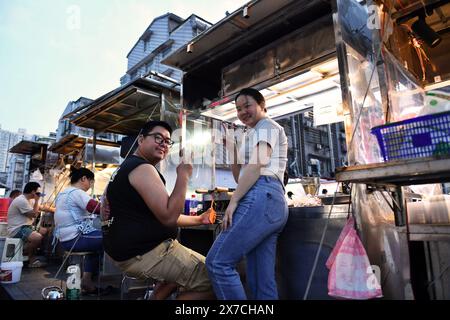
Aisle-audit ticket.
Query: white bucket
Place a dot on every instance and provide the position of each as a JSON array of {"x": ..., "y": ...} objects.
[{"x": 10, "y": 271}]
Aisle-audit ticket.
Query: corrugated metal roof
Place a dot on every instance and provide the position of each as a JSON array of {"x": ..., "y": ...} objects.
[
  {"x": 28, "y": 147},
  {"x": 73, "y": 142},
  {"x": 237, "y": 30},
  {"x": 125, "y": 109}
]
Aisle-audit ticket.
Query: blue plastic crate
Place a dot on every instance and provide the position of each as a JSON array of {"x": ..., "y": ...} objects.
[{"x": 421, "y": 137}]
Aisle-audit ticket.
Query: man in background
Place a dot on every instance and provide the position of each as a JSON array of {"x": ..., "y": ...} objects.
[
  {"x": 22, "y": 212},
  {"x": 12, "y": 195}
]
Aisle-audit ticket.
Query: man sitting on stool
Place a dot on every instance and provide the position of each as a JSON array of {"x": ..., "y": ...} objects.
[
  {"x": 21, "y": 214},
  {"x": 140, "y": 229}
]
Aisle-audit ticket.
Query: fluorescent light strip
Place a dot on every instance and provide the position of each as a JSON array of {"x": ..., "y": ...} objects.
[{"x": 289, "y": 93}]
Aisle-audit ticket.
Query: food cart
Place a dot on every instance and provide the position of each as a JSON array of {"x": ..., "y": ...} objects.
[
  {"x": 100, "y": 156},
  {"x": 287, "y": 50},
  {"x": 404, "y": 62},
  {"x": 299, "y": 54}
]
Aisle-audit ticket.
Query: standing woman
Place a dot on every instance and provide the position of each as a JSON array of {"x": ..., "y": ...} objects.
[
  {"x": 257, "y": 211},
  {"x": 74, "y": 227}
]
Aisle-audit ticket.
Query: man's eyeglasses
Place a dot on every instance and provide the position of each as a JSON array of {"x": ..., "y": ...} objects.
[{"x": 159, "y": 139}]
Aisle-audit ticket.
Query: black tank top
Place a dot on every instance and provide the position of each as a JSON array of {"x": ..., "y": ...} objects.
[{"x": 134, "y": 229}]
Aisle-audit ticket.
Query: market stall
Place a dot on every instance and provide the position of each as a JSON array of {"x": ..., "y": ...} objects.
[
  {"x": 287, "y": 50},
  {"x": 100, "y": 156},
  {"x": 345, "y": 61},
  {"x": 390, "y": 79}
]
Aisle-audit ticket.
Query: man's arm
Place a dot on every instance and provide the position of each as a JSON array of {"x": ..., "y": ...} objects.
[
  {"x": 236, "y": 170},
  {"x": 47, "y": 208},
  {"x": 188, "y": 221},
  {"x": 35, "y": 211},
  {"x": 167, "y": 209},
  {"x": 192, "y": 221}
]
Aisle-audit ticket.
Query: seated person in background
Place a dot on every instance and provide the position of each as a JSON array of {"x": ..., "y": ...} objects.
[
  {"x": 21, "y": 214},
  {"x": 12, "y": 195},
  {"x": 74, "y": 225},
  {"x": 140, "y": 234}
]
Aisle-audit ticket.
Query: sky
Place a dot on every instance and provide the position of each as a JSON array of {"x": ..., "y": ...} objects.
[{"x": 55, "y": 51}]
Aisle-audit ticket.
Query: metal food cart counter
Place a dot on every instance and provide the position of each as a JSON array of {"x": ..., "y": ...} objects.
[{"x": 298, "y": 245}]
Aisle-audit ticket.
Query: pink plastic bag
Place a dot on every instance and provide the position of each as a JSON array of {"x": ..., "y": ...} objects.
[
  {"x": 348, "y": 226},
  {"x": 351, "y": 275}
]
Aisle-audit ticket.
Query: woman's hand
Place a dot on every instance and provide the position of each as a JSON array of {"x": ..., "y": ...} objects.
[{"x": 228, "y": 217}]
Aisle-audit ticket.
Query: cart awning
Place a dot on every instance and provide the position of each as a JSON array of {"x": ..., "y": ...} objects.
[
  {"x": 73, "y": 142},
  {"x": 256, "y": 23},
  {"x": 126, "y": 109},
  {"x": 260, "y": 45},
  {"x": 28, "y": 147}
]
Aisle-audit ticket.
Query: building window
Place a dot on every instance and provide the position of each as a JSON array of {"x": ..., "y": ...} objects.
[
  {"x": 198, "y": 30},
  {"x": 168, "y": 72},
  {"x": 147, "y": 43}
]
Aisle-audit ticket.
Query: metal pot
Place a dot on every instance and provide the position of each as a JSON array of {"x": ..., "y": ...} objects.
[{"x": 52, "y": 293}]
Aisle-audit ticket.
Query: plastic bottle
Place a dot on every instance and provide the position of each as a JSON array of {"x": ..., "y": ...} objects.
[
  {"x": 73, "y": 283},
  {"x": 187, "y": 206},
  {"x": 200, "y": 207},
  {"x": 193, "y": 206}
]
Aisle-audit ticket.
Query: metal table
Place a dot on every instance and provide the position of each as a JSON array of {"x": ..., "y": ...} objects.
[{"x": 391, "y": 176}]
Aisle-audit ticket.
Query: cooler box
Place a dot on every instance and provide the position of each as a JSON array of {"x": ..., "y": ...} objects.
[{"x": 4, "y": 204}]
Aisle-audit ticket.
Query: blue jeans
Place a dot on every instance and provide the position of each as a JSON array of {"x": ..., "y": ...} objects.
[
  {"x": 24, "y": 233},
  {"x": 92, "y": 241},
  {"x": 257, "y": 223}
]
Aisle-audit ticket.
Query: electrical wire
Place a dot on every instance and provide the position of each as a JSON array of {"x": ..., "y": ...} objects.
[{"x": 316, "y": 259}]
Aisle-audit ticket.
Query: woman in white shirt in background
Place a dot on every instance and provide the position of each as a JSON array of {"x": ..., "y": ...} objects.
[{"x": 74, "y": 225}]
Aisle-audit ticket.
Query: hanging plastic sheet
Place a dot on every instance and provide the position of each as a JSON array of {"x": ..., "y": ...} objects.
[
  {"x": 367, "y": 108},
  {"x": 406, "y": 96}
]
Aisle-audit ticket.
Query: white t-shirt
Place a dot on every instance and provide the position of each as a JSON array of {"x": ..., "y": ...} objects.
[
  {"x": 272, "y": 133},
  {"x": 71, "y": 200},
  {"x": 16, "y": 214}
]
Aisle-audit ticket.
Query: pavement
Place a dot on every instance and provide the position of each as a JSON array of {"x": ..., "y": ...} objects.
[{"x": 33, "y": 280}]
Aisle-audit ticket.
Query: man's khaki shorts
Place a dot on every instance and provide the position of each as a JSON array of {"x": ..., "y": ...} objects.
[{"x": 171, "y": 262}]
